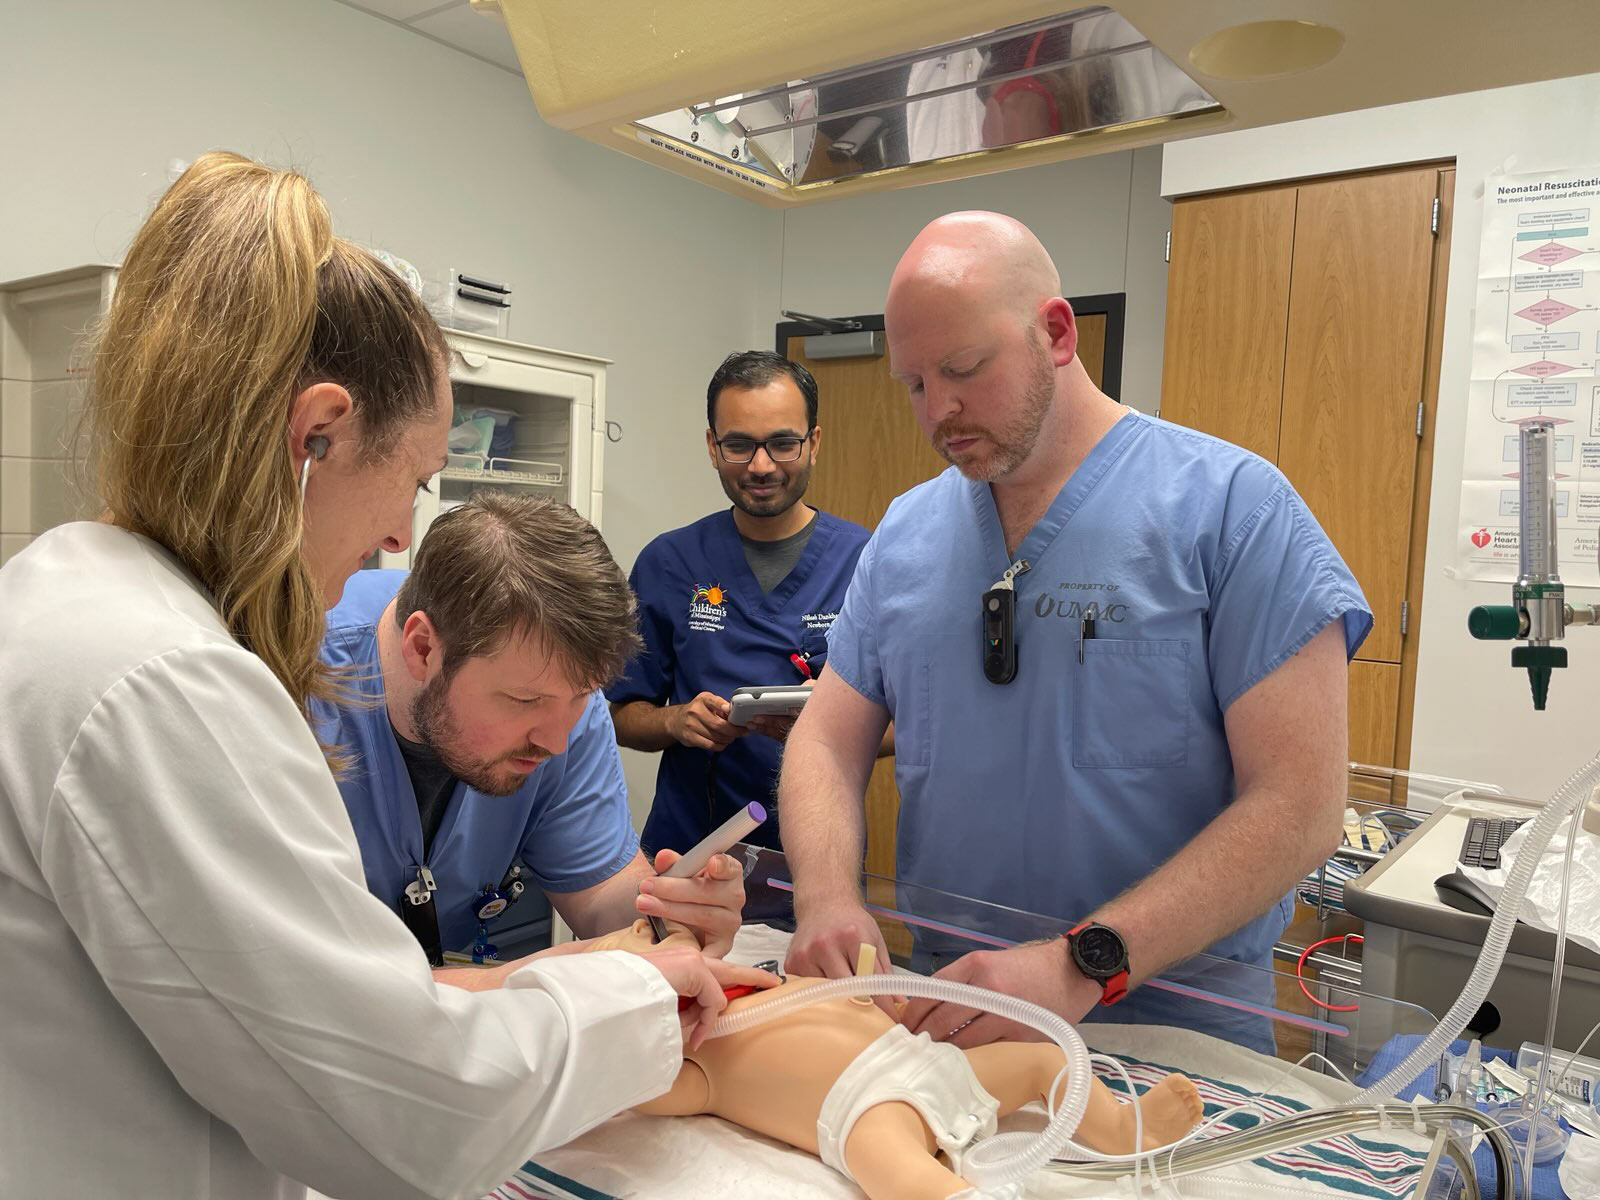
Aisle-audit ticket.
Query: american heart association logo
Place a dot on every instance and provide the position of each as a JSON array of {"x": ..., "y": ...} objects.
[{"x": 1480, "y": 539}]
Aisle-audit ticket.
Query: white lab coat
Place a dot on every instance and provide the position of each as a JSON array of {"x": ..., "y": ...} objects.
[{"x": 198, "y": 996}]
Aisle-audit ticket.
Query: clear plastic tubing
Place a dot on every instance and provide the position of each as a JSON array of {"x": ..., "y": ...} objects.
[
  {"x": 1567, "y": 800},
  {"x": 982, "y": 1171}
]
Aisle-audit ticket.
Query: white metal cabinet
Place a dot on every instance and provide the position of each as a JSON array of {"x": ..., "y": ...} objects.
[{"x": 558, "y": 435}]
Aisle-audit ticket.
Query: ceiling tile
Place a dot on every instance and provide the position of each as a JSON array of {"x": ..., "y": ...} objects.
[{"x": 483, "y": 34}]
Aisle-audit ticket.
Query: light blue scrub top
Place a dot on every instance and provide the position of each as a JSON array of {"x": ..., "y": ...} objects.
[
  {"x": 568, "y": 824},
  {"x": 1057, "y": 791}
]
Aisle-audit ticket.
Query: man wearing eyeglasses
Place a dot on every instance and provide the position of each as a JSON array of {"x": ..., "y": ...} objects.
[{"x": 742, "y": 597}]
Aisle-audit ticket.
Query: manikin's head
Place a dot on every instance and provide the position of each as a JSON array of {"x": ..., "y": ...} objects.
[
  {"x": 977, "y": 331},
  {"x": 761, "y": 430},
  {"x": 513, "y": 613}
]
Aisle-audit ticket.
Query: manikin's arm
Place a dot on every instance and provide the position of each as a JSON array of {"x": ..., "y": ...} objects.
[
  {"x": 1288, "y": 738},
  {"x": 820, "y": 796}
]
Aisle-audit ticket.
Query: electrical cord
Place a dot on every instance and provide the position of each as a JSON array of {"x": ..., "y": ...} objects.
[{"x": 1299, "y": 971}]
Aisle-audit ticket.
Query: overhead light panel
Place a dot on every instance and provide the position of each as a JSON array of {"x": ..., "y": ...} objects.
[{"x": 992, "y": 97}]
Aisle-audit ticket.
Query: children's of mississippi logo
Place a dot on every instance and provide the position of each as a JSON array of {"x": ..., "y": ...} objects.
[{"x": 707, "y": 611}]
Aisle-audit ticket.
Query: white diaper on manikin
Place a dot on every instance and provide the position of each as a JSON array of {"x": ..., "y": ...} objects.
[{"x": 933, "y": 1077}]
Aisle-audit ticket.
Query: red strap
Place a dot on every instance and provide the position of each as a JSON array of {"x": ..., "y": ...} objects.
[{"x": 1115, "y": 988}]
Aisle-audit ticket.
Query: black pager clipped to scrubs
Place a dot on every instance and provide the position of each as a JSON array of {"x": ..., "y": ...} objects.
[
  {"x": 1000, "y": 626},
  {"x": 1000, "y": 635}
]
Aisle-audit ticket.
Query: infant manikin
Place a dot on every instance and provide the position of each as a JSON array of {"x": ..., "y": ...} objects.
[{"x": 841, "y": 1080}]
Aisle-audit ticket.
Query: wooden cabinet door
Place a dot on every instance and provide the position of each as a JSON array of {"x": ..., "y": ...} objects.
[
  {"x": 1228, "y": 314},
  {"x": 1353, "y": 366},
  {"x": 1298, "y": 327}
]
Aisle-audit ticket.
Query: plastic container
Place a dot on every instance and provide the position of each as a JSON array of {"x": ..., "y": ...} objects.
[
  {"x": 1548, "y": 1139},
  {"x": 1582, "y": 1079},
  {"x": 469, "y": 302}
]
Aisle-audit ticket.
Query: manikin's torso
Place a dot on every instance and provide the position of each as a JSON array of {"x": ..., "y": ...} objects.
[{"x": 774, "y": 1078}]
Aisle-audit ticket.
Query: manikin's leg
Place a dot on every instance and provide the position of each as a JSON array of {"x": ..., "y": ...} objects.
[
  {"x": 890, "y": 1151},
  {"x": 1017, "y": 1073},
  {"x": 690, "y": 1094}
]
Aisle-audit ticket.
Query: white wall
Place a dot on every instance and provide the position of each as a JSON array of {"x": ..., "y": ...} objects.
[
  {"x": 418, "y": 149},
  {"x": 1102, "y": 219},
  {"x": 1474, "y": 717}
]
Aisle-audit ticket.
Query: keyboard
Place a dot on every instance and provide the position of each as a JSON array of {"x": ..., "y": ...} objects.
[{"x": 1485, "y": 836}]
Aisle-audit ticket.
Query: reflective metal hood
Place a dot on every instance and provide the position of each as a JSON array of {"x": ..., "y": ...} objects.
[{"x": 788, "y": 103}]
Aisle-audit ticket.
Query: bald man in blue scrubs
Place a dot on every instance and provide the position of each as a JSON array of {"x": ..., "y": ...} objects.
[{"x": 1155, "y": 752}]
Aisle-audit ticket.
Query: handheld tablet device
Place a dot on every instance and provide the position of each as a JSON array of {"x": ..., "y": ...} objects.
[{"x": 783, "y": 700}]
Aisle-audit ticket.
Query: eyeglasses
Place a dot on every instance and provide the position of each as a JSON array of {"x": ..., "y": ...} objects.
[{"x": 739, "y": 450}]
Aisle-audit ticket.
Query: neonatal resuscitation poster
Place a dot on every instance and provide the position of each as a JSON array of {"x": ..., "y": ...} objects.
[{"x": 1535, "y": 350}]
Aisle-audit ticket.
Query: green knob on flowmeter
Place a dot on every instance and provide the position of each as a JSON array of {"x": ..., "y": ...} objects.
[{"x": 1494, "y": 622}]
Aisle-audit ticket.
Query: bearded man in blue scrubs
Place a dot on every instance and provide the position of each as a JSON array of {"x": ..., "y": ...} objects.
[
  {"x": 1165, "y": 757},
  {"x": 483, "y": 761},
  {"x": 742, "y": 597}
]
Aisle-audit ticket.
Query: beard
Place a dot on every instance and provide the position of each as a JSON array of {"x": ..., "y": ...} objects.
[
  {"x": 438, "y": 730},
  {"x": 791, "y": 487},
  {"x": 1013, "y": 441}
]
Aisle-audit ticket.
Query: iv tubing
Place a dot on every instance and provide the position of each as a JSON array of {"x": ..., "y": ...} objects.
[
  {"x": 1541, "y": 1091},
  {"x": 986, "y": 1173},
  {"x": 1304, "y": 1128},
  {"x": 1567, "y": 800}
]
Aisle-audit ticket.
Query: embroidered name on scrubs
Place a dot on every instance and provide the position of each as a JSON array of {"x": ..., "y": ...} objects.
[
  {"x": 819, "y": 620},
  {"x": 707, "y": 609}
]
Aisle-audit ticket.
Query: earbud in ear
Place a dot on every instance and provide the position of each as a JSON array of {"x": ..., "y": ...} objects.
[{"x": 317, "y": 446}]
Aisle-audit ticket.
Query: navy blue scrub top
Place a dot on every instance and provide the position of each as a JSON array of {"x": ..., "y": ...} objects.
[{"x": 707, "y": 627}]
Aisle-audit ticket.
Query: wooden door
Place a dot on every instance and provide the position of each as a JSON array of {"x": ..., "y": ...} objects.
[
  {"x": 1352, "y": 377},
  {"x": 871, "y": 451},
  {"x": 1302, "y": 321},
  {"x": 1228, "y": 316}
]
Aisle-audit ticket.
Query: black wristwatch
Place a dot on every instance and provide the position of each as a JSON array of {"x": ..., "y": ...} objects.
[{"x": 1101, "y": 954}]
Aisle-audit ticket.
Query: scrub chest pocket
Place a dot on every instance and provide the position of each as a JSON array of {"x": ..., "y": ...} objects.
[{"x": 1130, "y": 704}]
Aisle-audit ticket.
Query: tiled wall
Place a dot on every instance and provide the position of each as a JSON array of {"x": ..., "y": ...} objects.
[{"x": 43, "y": 350}]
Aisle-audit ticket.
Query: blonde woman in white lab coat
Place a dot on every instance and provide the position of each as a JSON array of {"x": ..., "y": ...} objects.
[{"x": 198, "y": 995}]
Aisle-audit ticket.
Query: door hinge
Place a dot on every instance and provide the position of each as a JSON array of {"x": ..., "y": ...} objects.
[
  {"x": 1166, "y": 255},
  {"x": 1419, "y": 418},
  {"x": 1405, "y": 616},
  {"x": 1433, "y": 223}
]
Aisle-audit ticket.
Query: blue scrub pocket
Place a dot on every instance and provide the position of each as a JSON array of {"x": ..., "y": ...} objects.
[{"x": 1130, "y": 704}]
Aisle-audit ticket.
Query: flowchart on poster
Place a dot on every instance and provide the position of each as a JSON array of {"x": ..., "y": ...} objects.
[{"x": 1535, "y": 350}]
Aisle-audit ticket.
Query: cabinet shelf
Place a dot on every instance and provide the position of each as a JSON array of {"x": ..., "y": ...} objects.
[{"x": 478, "y": 468}]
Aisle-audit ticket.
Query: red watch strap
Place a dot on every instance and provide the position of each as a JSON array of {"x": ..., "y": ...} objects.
[{"x": 1115, "y": 988}]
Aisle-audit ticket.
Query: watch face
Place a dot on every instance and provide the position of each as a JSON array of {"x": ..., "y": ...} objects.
[{"x": 1100, "y": 951}]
